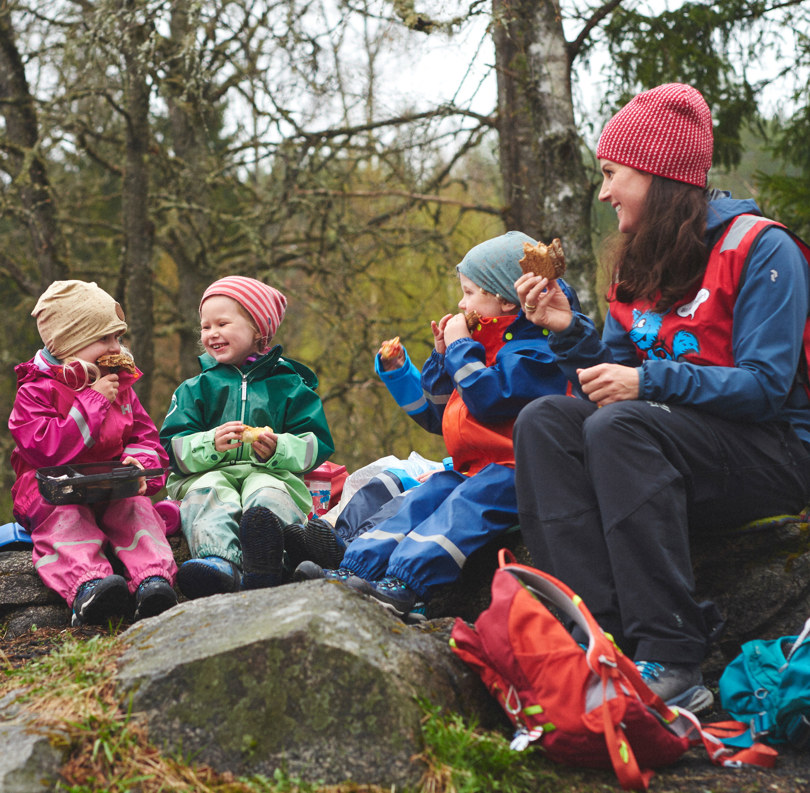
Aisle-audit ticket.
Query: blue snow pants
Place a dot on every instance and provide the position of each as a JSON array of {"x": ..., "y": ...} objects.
[
  {"x": 426, "y": 542},
  {"x": 374, "y": 502}
]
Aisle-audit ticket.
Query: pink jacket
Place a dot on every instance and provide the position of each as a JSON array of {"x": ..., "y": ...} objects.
[{"x": 52, "y": 424}]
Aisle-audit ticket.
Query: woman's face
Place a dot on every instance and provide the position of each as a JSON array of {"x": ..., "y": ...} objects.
[{"x": 626, "y": 190}]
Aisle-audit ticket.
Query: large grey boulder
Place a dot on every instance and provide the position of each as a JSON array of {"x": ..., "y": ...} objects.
[{"x": 311, "y": 677}]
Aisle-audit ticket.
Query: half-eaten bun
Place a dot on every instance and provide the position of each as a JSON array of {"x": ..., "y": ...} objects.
[
  {"x": 545, "y": 260},
  {"x": 117, "y": 362}
]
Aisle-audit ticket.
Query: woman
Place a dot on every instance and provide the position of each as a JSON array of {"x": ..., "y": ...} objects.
[{"x": 694, "y": 414}]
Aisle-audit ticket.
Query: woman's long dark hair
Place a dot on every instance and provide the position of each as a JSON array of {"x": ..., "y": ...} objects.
[{"x": 664, "y": 259}]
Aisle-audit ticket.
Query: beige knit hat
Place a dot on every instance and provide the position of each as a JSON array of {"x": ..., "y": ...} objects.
[{"x": 73, "y": 314}]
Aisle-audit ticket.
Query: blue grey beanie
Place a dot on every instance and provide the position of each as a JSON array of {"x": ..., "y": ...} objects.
[{"x": 493, "y": 265}]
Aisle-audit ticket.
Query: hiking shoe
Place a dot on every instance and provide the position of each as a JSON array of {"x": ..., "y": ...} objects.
[
  {"x": 679, "y": 685},
  {"x": 100, "y": 599},
  {"x": 153, "y": 596},
  {"x": 393, "y": 593},
  {"x": 262, "y": 536},
  {"x": 207, "y": 575},
  {"x": 309, "y": 571},
  {"x": 417, "y": 614},
  {"x": 315, "y": 542}
]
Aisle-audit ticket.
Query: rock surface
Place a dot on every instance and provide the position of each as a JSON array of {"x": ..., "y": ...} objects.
[
  {"x": 323, "y": 681},
  {"x": 760, "y": 581},
  {"x": 29, "y": 763},
  {"x": 312, "y": 677},
  {"x": 24, "y": 600}
]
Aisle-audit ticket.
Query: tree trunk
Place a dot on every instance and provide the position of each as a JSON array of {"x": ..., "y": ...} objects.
[
  {"x": 138, "y": 228},
  {"x": 27, "y": 168},
  {"x": 187, "y": 240},
  {"x": 547, "y": 190}
]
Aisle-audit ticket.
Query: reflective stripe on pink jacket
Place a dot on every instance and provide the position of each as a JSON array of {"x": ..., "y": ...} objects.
[{"x": 52, "y": 424}]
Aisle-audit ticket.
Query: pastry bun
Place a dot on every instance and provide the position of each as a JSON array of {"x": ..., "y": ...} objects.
[
  {"x": 545, "y": 260},
  {"x": 473, "y": 320},
  {"x": 115, "y": 363},
  {"x": 251, "y": 434},
  {"x": 390, "y": 349}
]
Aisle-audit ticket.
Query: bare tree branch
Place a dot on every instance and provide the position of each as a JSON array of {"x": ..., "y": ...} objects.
[
  {"x": 414, "y": 197},
  {"x": 594, "y": 20}
]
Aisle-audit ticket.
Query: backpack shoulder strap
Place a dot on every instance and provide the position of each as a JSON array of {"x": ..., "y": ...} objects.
[{"x": 601, "y": 650}]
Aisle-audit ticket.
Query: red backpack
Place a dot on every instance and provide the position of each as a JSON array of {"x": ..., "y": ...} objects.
[{"x": 582, "y": 707}]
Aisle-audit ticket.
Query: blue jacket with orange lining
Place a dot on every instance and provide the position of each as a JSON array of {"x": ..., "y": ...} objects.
[{"x": 473, "y": 393}]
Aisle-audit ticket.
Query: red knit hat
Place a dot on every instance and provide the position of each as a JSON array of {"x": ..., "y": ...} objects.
[
  {"x": 265, "y": 304},
  {"x": 666, "y": 131}
]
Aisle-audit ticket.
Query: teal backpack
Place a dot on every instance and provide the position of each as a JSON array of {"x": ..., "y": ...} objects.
[{"x": 768, "y": 687}]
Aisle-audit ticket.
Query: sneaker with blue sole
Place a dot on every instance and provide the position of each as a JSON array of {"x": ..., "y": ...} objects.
[
  {"x": 417, "y": 614},
  {"x": 207, "y": 575},
  {"x": 679, "y": 685},
  {"x": 391, "y": 592},
  {"x": 309, "y": 571},
  {"x": 100, "y": 600}
]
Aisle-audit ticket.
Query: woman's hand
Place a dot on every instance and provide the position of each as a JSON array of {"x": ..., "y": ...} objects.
[
  {"x": 543, "y": 302},
  {"x": 264, "y": 447},
  {"x": 142, "y": 480},
  {"x": 606, "y": 383},
  {"x": 107, "y": 386},
  {"x": 228, "y": 435},
  {"x": 455, "y": 328},
  {"x": 438, "y": 333}
]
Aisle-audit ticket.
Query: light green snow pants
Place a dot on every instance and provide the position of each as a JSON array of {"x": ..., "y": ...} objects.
[{"x": 213, "y": 503}]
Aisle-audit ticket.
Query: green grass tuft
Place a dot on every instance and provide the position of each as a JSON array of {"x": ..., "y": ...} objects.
[{"x": 467, "y": 759}]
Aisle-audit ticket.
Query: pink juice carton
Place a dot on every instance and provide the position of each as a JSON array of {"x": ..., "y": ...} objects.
[{"x": 325, "y": 484}]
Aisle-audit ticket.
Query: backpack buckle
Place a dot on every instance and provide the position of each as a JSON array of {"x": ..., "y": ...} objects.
[{"x": 760, "y": 726}]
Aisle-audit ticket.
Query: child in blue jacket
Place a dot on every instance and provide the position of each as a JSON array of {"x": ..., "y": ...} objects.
[{"x": 471, "y": 390}]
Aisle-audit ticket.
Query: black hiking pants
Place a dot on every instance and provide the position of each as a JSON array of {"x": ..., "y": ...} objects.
[{"x": 607, "y": 498}]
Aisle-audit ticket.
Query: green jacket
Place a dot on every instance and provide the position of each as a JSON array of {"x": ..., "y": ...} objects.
[{"x": 273, "y": 391}]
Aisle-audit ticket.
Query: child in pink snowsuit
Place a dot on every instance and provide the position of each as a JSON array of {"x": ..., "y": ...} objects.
[{"x": 70, "y": 410}]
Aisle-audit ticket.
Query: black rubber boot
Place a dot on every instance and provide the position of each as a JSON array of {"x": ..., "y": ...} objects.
[{"x": 262, "y": 536}]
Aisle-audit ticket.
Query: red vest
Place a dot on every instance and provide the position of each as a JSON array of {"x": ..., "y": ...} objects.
[
  {"x": 471, "y": 444},
  {"x": 698, "y": 329}
]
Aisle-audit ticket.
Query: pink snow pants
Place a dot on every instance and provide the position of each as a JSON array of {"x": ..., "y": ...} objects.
[{"x": 70, "y": 542}]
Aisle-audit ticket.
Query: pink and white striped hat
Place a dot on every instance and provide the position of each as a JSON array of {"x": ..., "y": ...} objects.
[
  {"x": 666, "y": 131},
  {"x": 265, "y": 304}
]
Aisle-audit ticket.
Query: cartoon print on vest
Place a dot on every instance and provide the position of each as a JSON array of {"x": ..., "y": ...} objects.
[{"x": 644, "y": 334}]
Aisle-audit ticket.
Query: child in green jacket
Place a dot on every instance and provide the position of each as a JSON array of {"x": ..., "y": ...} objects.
[{"x": 238, "y": 495}]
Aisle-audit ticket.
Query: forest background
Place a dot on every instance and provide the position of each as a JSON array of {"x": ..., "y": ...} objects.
[{"x": 155, "y": 145}]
